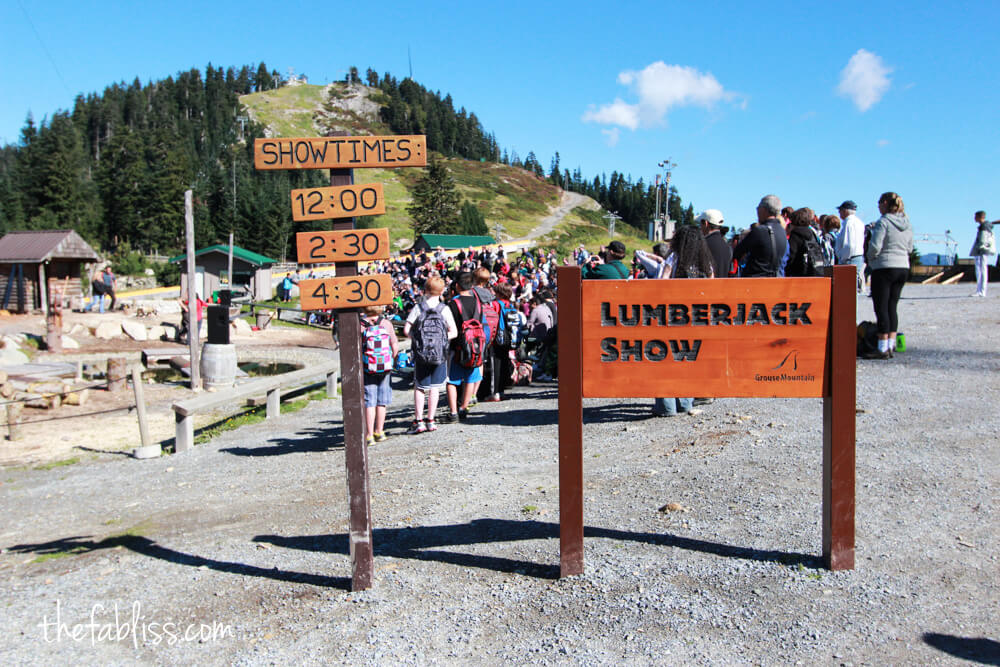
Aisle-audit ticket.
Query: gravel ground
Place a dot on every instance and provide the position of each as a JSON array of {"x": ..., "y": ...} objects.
[{"x": 249, "y": 533}]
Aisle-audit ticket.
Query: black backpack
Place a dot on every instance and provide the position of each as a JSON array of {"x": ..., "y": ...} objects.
[
  {"x": 811, "y": 260},
  {"x": 867, "y": 338},
  {"x": 430, "y": 335}
]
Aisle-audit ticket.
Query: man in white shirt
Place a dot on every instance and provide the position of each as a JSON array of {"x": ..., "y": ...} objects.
[{"x": 850, "y": 244}]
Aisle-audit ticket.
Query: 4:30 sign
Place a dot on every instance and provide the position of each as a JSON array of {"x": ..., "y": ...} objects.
[
  {"x": 354, "y": 245},
  {"x": 346, "y": 292}
]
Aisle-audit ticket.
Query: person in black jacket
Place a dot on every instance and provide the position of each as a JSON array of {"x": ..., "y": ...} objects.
[
  {"x": 711, "y": 228},
  {"x": 799, "y": 233},
  {"x": 765, "y": 244}
]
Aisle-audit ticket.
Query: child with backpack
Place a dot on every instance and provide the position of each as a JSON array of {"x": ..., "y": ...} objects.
[
  {"x": 379, "y": 346},
  {"x": 430, "y": 326},
  {"x": 468, "y": 348}
]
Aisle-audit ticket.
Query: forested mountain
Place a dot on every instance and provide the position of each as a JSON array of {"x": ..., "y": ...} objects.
[{"x": 116, "y": 166}]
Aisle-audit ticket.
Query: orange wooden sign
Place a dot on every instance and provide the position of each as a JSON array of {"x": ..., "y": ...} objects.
[
  {"x": 345, "y": 292},
  {"x": 340, "y": 152},
  {"x": 355, "y": 245},
  {"x": 337, "y": 202},
  {"x": 709, "y": 338}
]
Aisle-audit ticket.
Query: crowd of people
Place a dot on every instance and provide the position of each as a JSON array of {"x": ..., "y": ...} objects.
[{"x": 469, "y": 314}]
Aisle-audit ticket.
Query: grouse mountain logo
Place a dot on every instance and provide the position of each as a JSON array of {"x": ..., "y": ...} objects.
[{"x": 788, "y": 366}]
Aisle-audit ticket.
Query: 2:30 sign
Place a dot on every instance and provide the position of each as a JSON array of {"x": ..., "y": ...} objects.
[
  {"x": 342, "y": 201},
  {"x": 346, "y": 292},
  {"x": 355, "y": 245}
]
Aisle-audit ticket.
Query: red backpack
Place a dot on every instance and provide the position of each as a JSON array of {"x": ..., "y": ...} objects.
[
  {"x": 491, "y": 318},
  {"x": 471, "y": 339}
]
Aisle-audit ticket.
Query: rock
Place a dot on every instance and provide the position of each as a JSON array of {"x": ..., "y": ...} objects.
[
  {"x": 11, "y": 356},
  {"x": 150, "y": 452},
  {"x": 108, "y": 330},
  {"x": 134, "y": 330},
  {"x": 69, "y": 343},
  {"x": 241, "y": 326}
]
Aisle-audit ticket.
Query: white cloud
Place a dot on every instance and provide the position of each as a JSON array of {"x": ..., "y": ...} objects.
[
  {"x": 613, "y": 135},
  {"x": 659, "y": 88},
  {"x": 864, "y": 80}
]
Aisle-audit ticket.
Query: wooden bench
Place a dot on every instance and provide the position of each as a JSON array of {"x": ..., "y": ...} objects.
[{"x": 272, "y": 386}]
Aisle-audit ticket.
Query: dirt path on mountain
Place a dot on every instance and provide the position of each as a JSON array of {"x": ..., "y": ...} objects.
[{"x": 567, "y": 203}]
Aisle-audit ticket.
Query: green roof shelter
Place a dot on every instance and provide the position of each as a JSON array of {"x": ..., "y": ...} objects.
[
  {"x": 251, "y": 271},
  {"x": 450, "y": 241}
]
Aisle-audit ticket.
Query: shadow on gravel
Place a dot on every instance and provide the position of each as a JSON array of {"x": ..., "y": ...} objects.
[
  {"x": 422, "y": 543},
  {"x": 618, "y": 412},
  {"x": 981, "y": 650},
  {"x": 143, "y": 545},
  {"x": 311, "y": 440},
  {"x": 515, "y": 417}
]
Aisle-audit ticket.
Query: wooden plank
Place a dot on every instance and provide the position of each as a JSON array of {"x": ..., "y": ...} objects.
[
  {"x": 345, "y": 291},
  {"x": 215, "y": 399},
  {"x": 570, "y": 422},
  {"x": 340, "y": 152},
  {"x": 342, "y": 246},
  {"x": 758, "y": 337},
  {"x": 355, "y": 451},
  {"x": 839, "y": 425},
  {"x": 337, "y": 202}
]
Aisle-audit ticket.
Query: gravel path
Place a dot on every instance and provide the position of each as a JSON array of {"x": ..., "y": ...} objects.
[{"x": 249, "y": 533}]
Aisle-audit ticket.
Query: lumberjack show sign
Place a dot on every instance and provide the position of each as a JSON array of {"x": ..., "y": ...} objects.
[
  {"x": 747, "y": 337},
  {"x": 345, "y": 246}
]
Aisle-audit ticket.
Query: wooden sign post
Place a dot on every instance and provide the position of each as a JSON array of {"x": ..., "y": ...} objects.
[
  {"x": 763, "y": 337},
  {"x": 345, "y": 246}
]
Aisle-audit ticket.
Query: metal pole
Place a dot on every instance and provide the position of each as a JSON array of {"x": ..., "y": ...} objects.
[
  {"x": 230, "y": 274},
  {"x": 192, "y": 293}
]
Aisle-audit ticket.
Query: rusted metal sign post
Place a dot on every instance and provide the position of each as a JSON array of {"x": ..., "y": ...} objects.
[
  {"x": 752, "y": 337},
  {"x": 345, "y": 246}
]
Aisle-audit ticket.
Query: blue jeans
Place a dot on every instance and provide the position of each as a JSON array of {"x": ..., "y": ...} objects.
[
  {"x": 859, "y": 261},
  {"x": 670, "y": 407}
]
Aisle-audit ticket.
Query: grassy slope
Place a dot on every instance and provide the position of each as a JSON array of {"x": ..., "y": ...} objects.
[{"x": 513, "y": 197}]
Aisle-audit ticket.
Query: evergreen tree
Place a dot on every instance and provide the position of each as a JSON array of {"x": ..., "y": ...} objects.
[
  {"x": 435, "y": 200},
  {"x": 471, "y": 221}
]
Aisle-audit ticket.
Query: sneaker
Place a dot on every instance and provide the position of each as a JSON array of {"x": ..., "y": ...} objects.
[
  {"x": 472, "y": 402},
  {"x": 448, "y": 418},
  {"x": 431, "y": 426},
  {"x": 380, "y": 436},
  {"x": 463, "y": 414},
  {"x": 694, "y": 412},
  {"x": 370, "y": 440},
  {"x": 417, "y": 427}
]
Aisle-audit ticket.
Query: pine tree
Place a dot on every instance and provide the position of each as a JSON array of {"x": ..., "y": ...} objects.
[
  {"x": 471, "y": 221},
  {"x": 435, "y": 200}
]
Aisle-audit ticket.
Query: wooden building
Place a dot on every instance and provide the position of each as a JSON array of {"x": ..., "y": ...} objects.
[
  {"x": 450, "y": 242},
  {"x": 32, "y": 263},
  {"x": 251, "y": 272}
]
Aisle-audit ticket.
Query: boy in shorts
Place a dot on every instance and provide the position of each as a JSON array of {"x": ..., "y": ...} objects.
[
  {"x": 378, "y": 392},
  {"x": 428, "y": 380}
]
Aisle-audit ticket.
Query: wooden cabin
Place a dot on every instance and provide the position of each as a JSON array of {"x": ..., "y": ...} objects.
[{"x": 32, "y": 263}]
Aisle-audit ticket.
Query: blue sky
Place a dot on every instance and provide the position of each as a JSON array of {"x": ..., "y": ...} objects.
[{"x": 816, "y": 104}]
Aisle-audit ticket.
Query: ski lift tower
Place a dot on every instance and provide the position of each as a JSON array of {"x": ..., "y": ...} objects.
[{"x": 946, "y": 239}]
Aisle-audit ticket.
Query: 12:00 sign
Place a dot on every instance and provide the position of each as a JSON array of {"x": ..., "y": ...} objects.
[
  {"x": 343, "y": 201},
  {"x": 356, "y": 245},
  {"x": 346, "y": 292}
]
